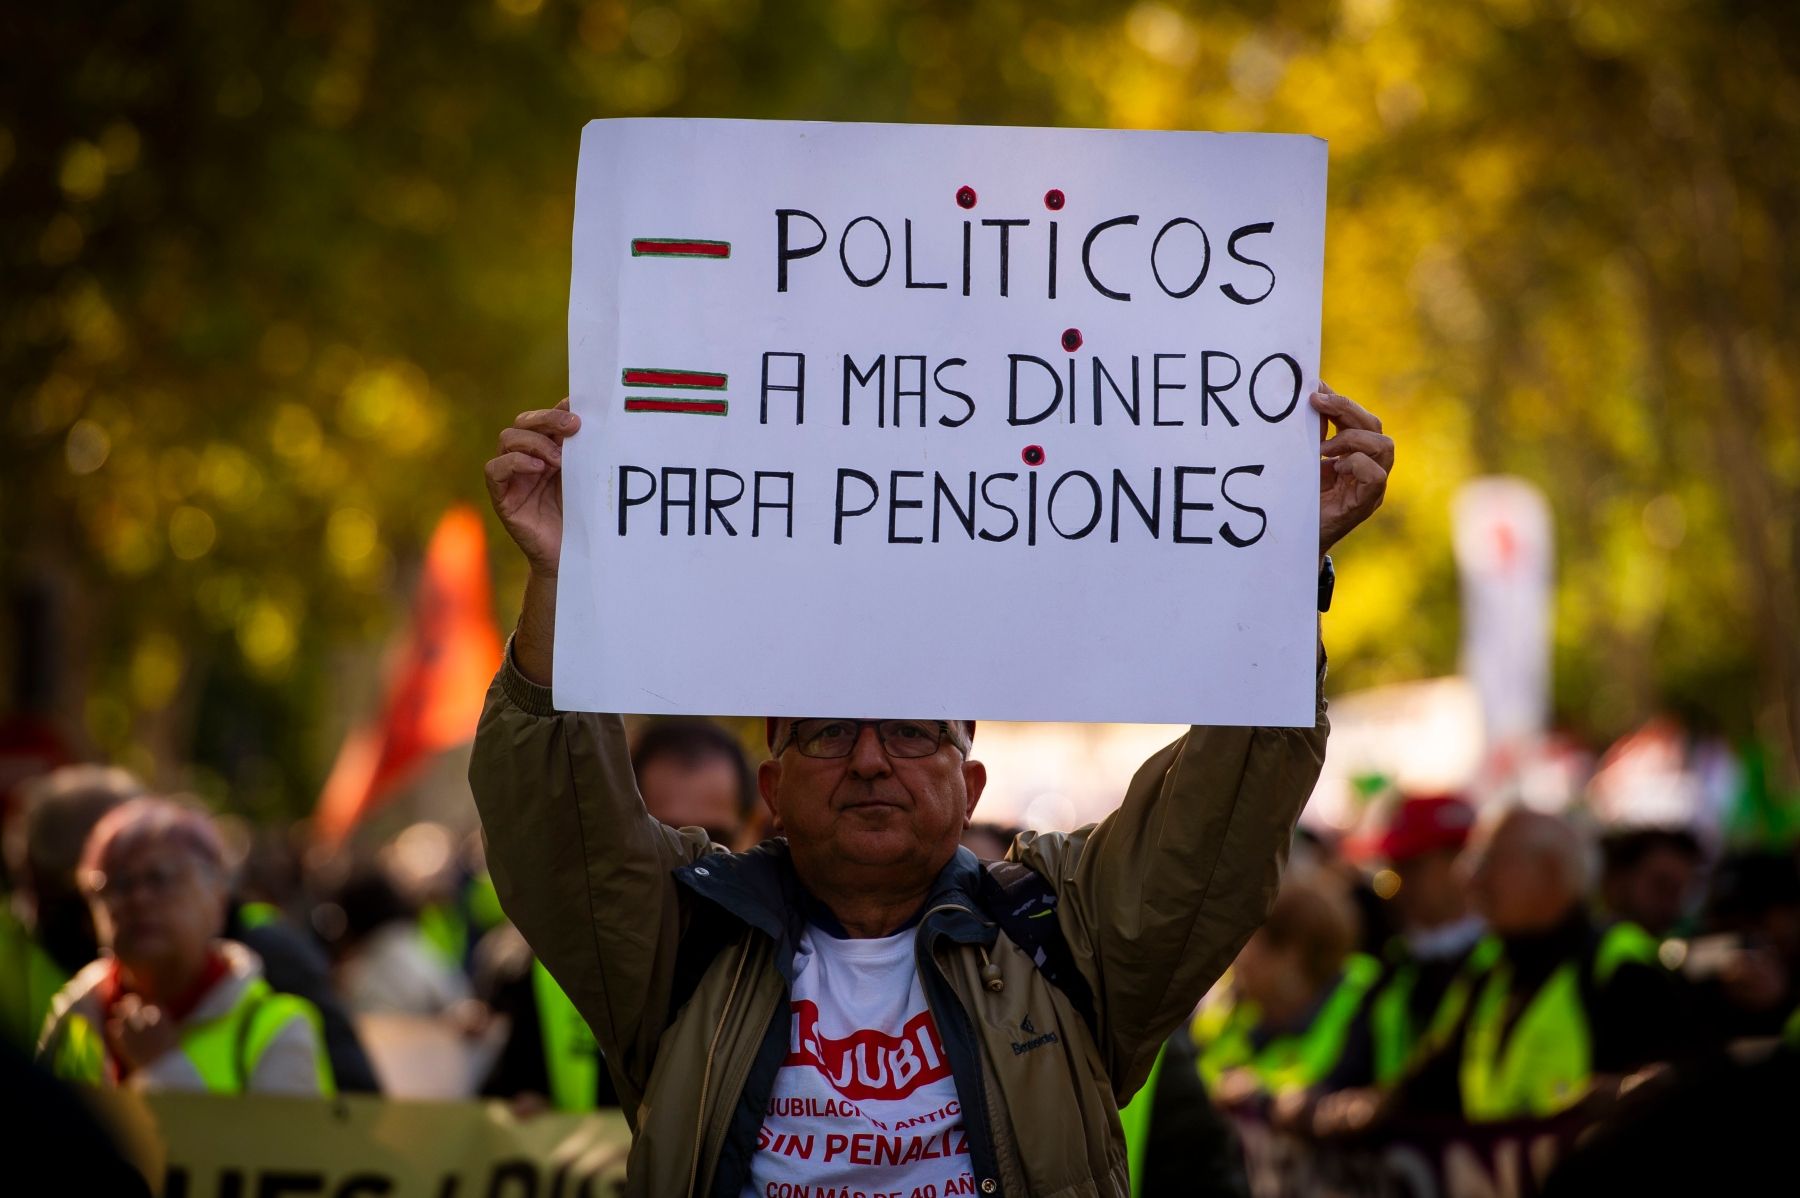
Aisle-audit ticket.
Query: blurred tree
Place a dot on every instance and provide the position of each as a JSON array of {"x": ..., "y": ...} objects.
[{"x": 276, "y": 273}]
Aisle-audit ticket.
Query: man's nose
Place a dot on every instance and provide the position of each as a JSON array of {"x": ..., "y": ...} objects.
[{"x": 868, "y": 759}]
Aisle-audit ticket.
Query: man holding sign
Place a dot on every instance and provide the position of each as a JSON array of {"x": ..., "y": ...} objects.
[{"x": 858, "y": 1006}]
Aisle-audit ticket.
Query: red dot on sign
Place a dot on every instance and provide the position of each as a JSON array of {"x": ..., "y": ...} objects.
[
  {"x": 1071, "y": 339},
  {"x": 1053, "y": 199},
  {"x": 965, "y": 196},
  {"x": 1032, "y": 455}
]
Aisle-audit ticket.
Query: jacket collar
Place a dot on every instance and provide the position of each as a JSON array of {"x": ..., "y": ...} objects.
[{"x": 761, "y": 889}]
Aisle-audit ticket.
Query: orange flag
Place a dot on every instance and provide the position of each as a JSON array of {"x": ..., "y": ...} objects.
[{"x": 434, "y": 699}]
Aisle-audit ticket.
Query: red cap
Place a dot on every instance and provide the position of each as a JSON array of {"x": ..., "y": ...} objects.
[
  {"x": 1423, "y": 824},
  {"x": 770, "y": 723}
]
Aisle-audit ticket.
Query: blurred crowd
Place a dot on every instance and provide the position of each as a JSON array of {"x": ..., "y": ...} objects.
[
  {"x": 1458, "y": 964},
  {"x": 145, "y": 943}
]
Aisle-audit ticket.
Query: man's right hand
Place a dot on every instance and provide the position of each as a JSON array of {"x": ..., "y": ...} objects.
[{"x": 524, "y": 481}]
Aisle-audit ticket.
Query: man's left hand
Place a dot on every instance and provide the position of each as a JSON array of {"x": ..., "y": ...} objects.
[{"x": 1353, "y": 464}]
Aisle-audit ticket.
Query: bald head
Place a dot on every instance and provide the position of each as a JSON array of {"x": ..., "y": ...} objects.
[{"x": 1532, "y": 872}]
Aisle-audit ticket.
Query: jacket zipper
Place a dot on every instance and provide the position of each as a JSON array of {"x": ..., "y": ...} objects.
[
  {"x": 987, "y": 1120},
  {"x": 712, "y": 1048}
]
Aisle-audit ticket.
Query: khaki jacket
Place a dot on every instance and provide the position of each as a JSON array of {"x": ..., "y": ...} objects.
[{"x": 679, "y": 954}]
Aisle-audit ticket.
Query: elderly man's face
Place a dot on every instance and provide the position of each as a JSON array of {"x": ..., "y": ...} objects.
[
  {"x": 157, "y": 902},
  {"x": 1516, "y": 885},
  {"x": 870, "y": 818}
]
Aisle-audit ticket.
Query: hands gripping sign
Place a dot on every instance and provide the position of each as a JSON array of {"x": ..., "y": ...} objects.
[{"x": 961, "y": 422}]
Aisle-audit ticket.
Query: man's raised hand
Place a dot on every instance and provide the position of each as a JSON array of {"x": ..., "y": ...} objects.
[
  {"x": 1353, "y": 465},
  {"x": 524, "y": 481}
]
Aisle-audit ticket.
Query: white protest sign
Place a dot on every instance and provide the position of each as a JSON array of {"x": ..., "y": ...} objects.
[{"x": 911, "y": 420}]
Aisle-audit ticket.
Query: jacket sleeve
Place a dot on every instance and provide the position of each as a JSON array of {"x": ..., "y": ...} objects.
[
  {"x": 581, "y": 868},
  {"x": 1157, "y": 899}
]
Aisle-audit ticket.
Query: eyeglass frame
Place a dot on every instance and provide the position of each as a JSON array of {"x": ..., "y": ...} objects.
[
  {"x": 158, "y": 882},
  {"x": 949, "y": 732}
]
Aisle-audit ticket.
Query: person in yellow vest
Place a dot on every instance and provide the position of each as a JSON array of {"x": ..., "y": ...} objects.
[
  {"x": 47, "y": 929},
  {"x": 1439, "y": 928},
  {"x": 1280, "y": 1021},
  {"x": 1650, "y": 876},
  {"x": 1554, "y": 1007},
  {"x": 1177, "y": 1143},
  {"x": 171, "y": 1006}
]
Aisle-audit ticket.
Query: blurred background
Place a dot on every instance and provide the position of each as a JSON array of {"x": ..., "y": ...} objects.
[{"x": 276, "y": 274}]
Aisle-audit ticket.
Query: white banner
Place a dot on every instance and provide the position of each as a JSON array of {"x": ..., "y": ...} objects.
[
  {"x": 1505, "y": 552},
  {"x": 942, "y": 422}
]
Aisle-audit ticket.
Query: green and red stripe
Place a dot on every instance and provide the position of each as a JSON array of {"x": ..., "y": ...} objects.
[
  {"x": 659, "y": 376},
  {"x": 687, "y": 407},
  {"x": 679, "y": 247}
]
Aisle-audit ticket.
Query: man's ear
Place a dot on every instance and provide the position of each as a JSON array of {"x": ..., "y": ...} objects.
[
  {"x": 768, "y": 781},
  {"x": 974, "y": 782}
]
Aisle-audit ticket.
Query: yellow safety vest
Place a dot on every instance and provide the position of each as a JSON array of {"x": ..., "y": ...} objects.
[
  {"x": 1224, "y": 1035},
  {"x": 449, "y": 928},
  {"x": 223, "y": 1050},
  {"x": 1544, "y": 1063},
  {"x": 29, "y": 979},
  {"x": 1135, "y": 1119},
  {"x": 571, "y": 1055},
  {"x": 1397, "y": 1044}
]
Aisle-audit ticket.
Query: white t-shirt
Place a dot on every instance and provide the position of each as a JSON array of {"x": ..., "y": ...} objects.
[{"x": 864, "y": 1105}]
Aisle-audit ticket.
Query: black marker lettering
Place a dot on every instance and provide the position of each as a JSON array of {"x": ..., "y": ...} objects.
[
  {"x": 668, "y": 495},
  {"x": 843, "y": 476},
  {"x": 909, "y": 266},
  {"x": 1209, "y": 392},
  {"x": 1231, "y": 247},
  {"x": 784, "y": 252},
  {"x": 1006, "y": 227},
  {"x": 1157, "y": 387},
  {"x": 1182, "y": 505},
  {"x": 1087, "y": 252},
  {"x": 1231, "y": 537},
  {"x": 1012, "y": 408},
  {"x": 1031, "y": 490},
  {"x": 895, "y": 503},
  {"x": 877, "y": 374},
  {"x": 785, "y": 504},
  {"x": 1013, "y": 528},
  {"x": 626, "y": 500},
  {"x": 937, "y": 376},
  {"x": 715, "y": 506},
  {"x": 942, "y": 494},
  {"x": 1050, "y": 505},
  {"x": 1205, "y": 259},
  {"x": 902, "y": 391},
  {"x": 1153, "y": 518},
  {"x": 797, "y": 388},
  {"x": 1293, "y": 396},
  {"x": 1102, "y": 374},
  {"x": 887, "y": 252}
]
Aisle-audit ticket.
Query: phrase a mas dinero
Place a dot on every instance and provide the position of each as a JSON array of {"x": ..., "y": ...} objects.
[{"x": 1029, "y": 500}]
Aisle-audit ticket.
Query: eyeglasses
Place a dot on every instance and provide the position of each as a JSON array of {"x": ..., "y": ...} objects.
[
  {"x": 837, "y": 738},
  {"x": 157, "y": 882}
]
